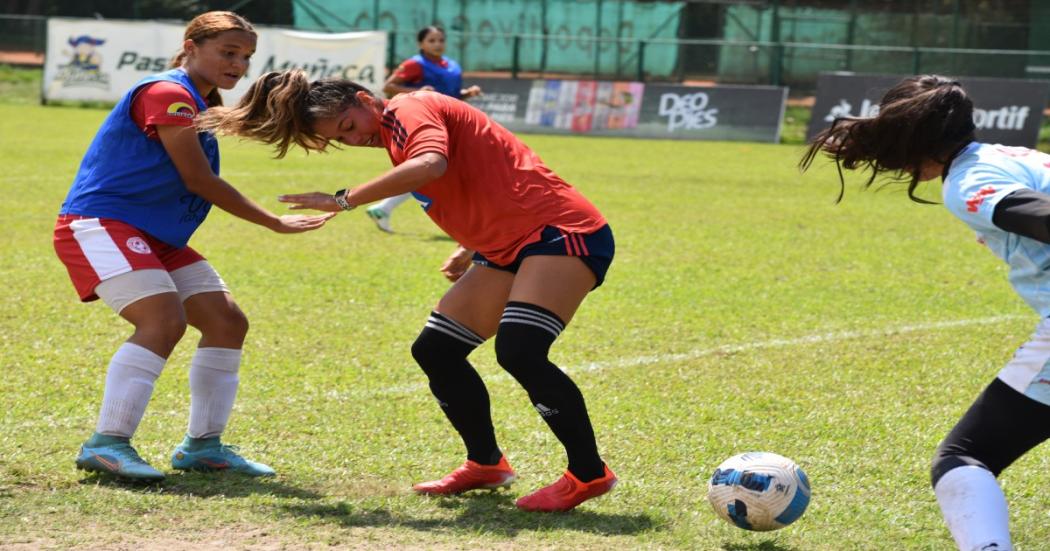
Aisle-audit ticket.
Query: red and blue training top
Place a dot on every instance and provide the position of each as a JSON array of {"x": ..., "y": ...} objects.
[{"x": 127, "y": 175}]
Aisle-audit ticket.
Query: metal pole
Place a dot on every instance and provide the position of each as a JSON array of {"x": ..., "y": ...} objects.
[
  {"x": 375, "y": 15},
  {"x": 851, "y": 33},
  {"x": 597, "y": 41},
  {"x": 777, "y": 59},
  {"x": 546, "y": 37},
  {"x": 641, "y": 61},
  {"x": 619, "y": 45},
  {"x": 515, "y": 59}
]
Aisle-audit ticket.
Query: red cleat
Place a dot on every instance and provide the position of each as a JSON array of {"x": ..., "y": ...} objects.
[
  {"x": 567, "y": 493},
  {"x": 471, "y": 476}
]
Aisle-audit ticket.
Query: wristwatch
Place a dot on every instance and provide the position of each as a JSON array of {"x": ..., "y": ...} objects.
[{"x": 340, "y": 199}]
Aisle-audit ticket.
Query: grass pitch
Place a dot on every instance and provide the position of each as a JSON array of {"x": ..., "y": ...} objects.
[{"x": 744, "y": 311}]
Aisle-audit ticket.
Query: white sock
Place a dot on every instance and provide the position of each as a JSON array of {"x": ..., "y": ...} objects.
[
  {"x": 213, "y": 386},
  {"x": 974, "y": 507},
  {"x": 390, "y": 203},
  {"x": 129, "y": 385}
]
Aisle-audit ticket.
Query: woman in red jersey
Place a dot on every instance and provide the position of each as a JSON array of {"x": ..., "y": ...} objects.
[{"x": 531, "y": 248}]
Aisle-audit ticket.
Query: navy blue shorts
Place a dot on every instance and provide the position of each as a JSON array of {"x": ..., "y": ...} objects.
[{"x": 594, "y": 249}]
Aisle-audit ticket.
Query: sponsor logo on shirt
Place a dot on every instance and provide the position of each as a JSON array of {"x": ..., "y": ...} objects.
[
  {"x": 181, "y": 109},
  {"x": 973, "y": 202}
]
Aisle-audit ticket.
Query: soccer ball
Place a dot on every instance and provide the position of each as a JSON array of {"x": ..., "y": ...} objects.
[{"x": 759, "y": 491}]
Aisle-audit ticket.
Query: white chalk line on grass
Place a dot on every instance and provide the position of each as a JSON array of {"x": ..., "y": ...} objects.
[
  {"x": 704, "y": 352},
  {"x": 421, "y": 387}
]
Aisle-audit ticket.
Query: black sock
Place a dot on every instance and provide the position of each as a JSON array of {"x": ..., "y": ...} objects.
[
  {"x": 441, "y": 350},
  {"x": 523, "y": 341}
]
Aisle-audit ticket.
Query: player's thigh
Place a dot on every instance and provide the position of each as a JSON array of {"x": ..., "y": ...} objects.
[
  {"x": 477, "y": 299},
  {"x": 557, "y": 283}
]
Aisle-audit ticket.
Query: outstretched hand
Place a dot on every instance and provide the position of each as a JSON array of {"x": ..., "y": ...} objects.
[
  {"x": 298, "y": 223},
  {"x": 315, "y": 201}
]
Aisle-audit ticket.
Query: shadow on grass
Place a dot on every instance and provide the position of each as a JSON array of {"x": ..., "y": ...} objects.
[
  {"x": 482, "y": 513},
  {"x": 759, "y": 546},
  {"x": 205, "y": 485}
]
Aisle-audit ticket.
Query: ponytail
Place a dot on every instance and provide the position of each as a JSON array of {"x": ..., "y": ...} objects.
[{"x": 280, "y": 109}]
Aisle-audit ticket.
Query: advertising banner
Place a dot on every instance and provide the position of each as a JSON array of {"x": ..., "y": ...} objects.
[
  {"x": 634, "y": 109},
  {"x": 1006, "y": 111},
  {"x": 99, "y": 60}
]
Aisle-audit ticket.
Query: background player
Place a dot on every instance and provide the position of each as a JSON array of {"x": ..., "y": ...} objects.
[{"x": 427, "y": 70}]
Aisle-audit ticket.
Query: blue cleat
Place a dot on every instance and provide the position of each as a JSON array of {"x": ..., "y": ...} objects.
[
  {"x": 114, "y": 455},
  {"x": 208, "y": 454}
]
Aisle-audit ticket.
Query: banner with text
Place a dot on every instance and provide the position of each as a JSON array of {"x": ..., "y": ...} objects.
[
  {"x": 99, "y": 60},
  {"x": 634, "y": 109},
  {"x": 1006, "y": 111}
]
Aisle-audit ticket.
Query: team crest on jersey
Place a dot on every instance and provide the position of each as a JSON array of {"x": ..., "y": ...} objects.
[
  {"x": 182, "y": 109},
  {"x": 138, "y": 245}
]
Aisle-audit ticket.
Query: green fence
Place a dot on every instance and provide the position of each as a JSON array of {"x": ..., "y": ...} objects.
[
  {"x": 667, "y": 59},
  {"x": 581, "y": 36},
  {"x": 23, "y": 33}
]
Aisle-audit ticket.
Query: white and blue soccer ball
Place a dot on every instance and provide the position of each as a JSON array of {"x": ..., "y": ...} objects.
[{"x": 759, "y": 491}]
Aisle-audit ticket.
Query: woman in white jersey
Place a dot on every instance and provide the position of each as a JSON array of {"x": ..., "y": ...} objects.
[{"x": 924, "y": 130}]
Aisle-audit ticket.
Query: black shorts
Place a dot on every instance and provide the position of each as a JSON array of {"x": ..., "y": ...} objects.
[{"x": 594, "y": 249}]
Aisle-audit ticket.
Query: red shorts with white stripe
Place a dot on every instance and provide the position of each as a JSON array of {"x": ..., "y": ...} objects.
[{"x": 96, "y": 249}]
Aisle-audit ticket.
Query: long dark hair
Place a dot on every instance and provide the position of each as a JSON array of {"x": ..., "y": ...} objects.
[
  {"x": 280, "y": 109},
  {"x": 205, "y": 27},
  {"x": 922, "y": 118}
]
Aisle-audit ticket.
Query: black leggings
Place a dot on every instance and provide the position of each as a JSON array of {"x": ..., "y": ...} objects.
[{"x": 1000, "y": 426}]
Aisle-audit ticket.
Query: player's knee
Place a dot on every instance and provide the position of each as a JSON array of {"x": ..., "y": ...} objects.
[
  {"x": 164, "y": 332},
  {"x": 948, "y": 457},
  {"x": 235, "y": 323},
  {"x": 524, "y": 339},
  {"x": 227, "y": 324},
  {"x": 443, "y": 344},
  {"x": 515, "y": 354}
]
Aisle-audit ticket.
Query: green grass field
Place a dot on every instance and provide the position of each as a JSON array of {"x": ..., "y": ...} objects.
[{"x": 744, "y": 311}]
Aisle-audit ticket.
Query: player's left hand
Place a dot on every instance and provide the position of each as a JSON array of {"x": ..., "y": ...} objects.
[
  {"x": 472, "y": 91},
  {"x": 315, "y": 201},
  {"x": 457, "y": 263}
]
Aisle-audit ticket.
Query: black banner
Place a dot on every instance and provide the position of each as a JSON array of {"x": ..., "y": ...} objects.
[
  {"x": 634, "y": 109},
  {"x": 1006, "y": 111}
]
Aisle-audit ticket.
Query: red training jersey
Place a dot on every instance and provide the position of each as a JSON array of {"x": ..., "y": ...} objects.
[
  {"x": 164, "y": 104},
  {"x": 496, "y": 195}
]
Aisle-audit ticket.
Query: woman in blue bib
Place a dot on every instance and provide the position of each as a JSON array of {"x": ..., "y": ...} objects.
[
  {"x": 146, "y": 183},
  {"x": 430, "y": 69}
]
